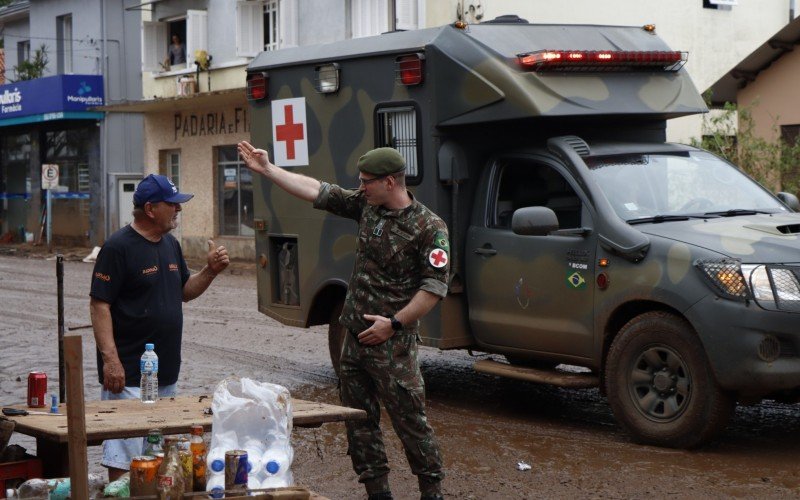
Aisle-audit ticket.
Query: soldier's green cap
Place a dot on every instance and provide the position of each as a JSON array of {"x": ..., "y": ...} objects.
[{"x": 382, "y": 161}]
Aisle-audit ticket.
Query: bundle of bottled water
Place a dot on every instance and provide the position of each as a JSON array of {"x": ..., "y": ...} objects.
[{"x": 255, "y": 417}]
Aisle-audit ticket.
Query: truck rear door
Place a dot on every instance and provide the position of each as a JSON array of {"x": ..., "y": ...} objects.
[{"x": 531, "y": 292}]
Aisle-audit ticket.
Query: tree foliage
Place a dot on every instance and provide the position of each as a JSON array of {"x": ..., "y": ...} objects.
[
  {"x": 774, "y": 164},
  {"x": 34, "y": 68}
]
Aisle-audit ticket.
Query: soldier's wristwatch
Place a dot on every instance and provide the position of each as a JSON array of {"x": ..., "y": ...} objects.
[{"x": 396, "y": 325}]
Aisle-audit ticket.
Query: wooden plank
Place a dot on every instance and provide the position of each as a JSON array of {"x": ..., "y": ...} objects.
[
  {"x": 76, "y": 418},
  {"x": 130, "y": 418}
]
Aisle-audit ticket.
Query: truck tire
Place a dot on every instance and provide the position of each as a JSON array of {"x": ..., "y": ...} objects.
[
  {"x": 660, "y": 386},
  {"x": 336, "y": 336}
]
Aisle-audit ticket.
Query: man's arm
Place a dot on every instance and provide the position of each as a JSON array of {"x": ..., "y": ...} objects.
[
  {"x": 257, "y": 160},
  {"x": 381, "y": 330},
  {"x": 217, "y": 260},
  {"x": 113, "y": 371}
]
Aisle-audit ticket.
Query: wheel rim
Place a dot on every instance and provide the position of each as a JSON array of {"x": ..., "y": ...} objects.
[{"x": 660, "y": 383}]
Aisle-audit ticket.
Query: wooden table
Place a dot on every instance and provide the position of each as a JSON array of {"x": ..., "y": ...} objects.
[{"x": 124, "y": 418}]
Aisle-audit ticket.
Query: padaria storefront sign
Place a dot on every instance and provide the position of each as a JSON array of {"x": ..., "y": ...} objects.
[{"x": 51, "y": 98}]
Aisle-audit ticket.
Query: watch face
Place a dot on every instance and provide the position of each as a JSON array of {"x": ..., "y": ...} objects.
[{"x": 396, "y": 325}]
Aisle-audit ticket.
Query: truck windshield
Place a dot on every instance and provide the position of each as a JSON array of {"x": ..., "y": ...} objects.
[{"x": 659, "y": 187}]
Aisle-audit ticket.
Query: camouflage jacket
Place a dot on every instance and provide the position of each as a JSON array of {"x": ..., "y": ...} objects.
[{"x": 399, "y": 252}]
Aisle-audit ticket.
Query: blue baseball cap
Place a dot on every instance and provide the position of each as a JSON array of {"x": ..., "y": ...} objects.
[{"x": 155, "y": 188}]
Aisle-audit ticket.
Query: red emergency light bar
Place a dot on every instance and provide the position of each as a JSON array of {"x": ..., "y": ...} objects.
[{"x": 603, "y": 60}]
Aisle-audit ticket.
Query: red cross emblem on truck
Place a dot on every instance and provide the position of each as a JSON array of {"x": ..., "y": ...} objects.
[
  {"x": 289, "y": 131},
  {"x": 438, "y": 258}
]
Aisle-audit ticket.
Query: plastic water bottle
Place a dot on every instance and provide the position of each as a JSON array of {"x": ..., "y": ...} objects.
[
  {"x": 149, "y": 368},
  {"x": 216, "y": 461},
  {"x": 216, "y": 485}
]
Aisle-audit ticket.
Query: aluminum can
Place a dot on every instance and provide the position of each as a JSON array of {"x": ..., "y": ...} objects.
[
  {"x": 235, "y": 470},
  {"x": 37, "y": 389},
  {"x": 144, "y": 476}
]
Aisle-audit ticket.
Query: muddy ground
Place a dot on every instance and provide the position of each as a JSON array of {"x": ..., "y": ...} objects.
[{"x": 486, "y": 425}]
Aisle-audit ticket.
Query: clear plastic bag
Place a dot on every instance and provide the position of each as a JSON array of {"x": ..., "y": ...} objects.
[{"x": 256, "y": 417}]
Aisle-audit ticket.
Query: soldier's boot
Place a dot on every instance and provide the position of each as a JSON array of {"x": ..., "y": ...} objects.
[
  {"x": 430, "y": 488},
  {"x": 383, "y": 495},
  {"x": 378, "y": 488}
]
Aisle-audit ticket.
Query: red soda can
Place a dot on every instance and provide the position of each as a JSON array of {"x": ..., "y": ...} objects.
[{"x": 37, "y": 389}]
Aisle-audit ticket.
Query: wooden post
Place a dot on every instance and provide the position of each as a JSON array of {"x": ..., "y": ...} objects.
[
  {"x": 76, "y": 418},
  {"x": 62, "y": 386}
]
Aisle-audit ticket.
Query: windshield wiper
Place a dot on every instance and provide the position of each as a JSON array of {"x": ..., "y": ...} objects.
[
  {"x": 738, "y": 211},
  {"x": 656, "y": 219}
]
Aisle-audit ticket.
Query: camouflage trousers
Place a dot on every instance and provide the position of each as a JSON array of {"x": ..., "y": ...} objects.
[{"x": 388, "y": 373}]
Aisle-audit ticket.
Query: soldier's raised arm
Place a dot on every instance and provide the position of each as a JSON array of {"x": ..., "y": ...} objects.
[{"x": 257, "y": 160}]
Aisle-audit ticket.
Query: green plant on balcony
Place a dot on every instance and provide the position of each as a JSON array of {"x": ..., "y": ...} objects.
[{"x": 32, "y": 68}]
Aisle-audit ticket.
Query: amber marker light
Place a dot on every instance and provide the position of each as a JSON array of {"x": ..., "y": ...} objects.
[
  {"x": 602, "y": 262},
  {"x": 650, "y": 28}
]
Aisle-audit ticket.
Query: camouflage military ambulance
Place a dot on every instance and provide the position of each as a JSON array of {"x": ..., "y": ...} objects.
[{"x": 579, "y": 236}]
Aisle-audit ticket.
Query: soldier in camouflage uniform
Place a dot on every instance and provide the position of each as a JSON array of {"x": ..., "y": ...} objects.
[{"x": 400, "y": 274}]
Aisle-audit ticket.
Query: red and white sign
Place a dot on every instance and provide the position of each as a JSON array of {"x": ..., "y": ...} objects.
[
  {"x": 289, "y": 132},
  {"x": 437, "y": 258}
]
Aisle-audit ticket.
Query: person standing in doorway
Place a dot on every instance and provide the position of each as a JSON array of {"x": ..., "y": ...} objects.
[
  {"x": 139, "y": 282},
  {"x": 401, "y": 273}
]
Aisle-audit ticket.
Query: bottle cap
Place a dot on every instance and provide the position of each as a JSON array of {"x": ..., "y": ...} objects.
[
  {"x": 217, "y": 465},
  {"x": 273, "y": 467},
  {"x": 149, "y": 347}
]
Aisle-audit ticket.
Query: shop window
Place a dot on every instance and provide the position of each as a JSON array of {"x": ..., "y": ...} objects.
[
  {"x": 15, "y": 181},
  {"x": 370, "y": 17},
  {"x": 265, "y": 25},
  {"x": 191, "y": 31},
  {"x": 235, "y": 194},
  {"x": 64, "y": 44},
  {"x": 69, "y": 149},
  {"x": 396, "y": 127}
]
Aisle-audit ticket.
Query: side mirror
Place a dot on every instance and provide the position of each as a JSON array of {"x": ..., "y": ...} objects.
[
  {"x": 789, "y": 200},
  {"x": 534, "y": 221}
]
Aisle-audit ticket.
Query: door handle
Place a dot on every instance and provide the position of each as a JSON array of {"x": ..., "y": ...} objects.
[{"x": 485, "y": 251}]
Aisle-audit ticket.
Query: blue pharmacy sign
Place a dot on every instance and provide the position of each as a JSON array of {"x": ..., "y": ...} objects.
[{"x": 59, "y": 97}]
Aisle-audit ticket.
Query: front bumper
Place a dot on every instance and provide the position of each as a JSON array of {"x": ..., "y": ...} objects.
[{"x": 738, "y": 335}]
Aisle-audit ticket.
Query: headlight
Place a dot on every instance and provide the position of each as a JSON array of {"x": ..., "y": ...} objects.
[
  {"x": 772, "y": 283},
  {"x": 725, "y": 277}
]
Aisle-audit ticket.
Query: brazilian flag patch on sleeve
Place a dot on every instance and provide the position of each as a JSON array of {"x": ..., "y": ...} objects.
[{"x": 440, "y": 240}]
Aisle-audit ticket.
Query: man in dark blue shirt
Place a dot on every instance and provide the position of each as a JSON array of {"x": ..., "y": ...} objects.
[{"x": 139, "y": 283}]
